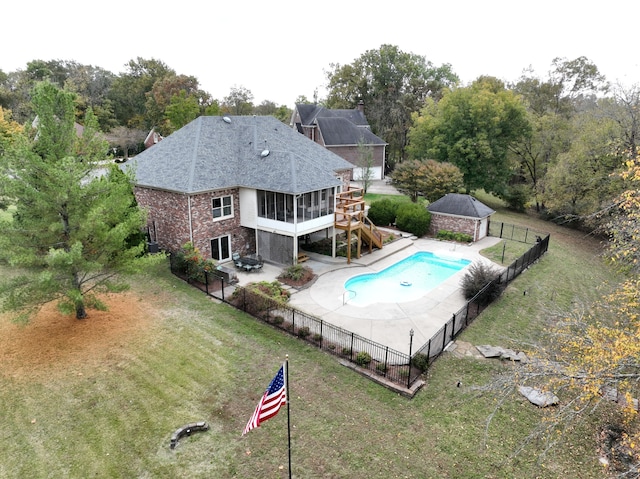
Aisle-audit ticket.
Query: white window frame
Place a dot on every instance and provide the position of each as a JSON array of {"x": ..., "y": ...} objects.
[{"x": 222, "y": 207}]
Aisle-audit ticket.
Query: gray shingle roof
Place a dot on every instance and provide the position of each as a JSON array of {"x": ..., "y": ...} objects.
[
  {"x": 310, "y": 113},
  {"x": 460, "y": 205},
  {"x": 210, "y": 154},
  {"x": 340, "y": 131}
]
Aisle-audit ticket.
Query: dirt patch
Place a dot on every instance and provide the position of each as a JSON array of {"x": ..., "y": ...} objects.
[{"x": 54, "y": 343}]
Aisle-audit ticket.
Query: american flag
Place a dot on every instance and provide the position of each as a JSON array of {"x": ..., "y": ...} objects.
[{"x": 273, "y": 399}]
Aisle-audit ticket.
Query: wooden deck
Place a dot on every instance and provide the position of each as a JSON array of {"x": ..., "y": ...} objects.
[{"x": 349, "y": 216}]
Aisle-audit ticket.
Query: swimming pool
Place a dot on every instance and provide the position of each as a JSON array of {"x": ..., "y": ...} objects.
[{"x": 406, "y": 280}]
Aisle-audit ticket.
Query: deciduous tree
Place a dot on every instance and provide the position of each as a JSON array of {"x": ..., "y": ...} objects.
[
  {"x": 472, "y": 128},
  {"x": 392, "y": 84},
  {"x": 429, "y": 178},
  {"x": 239, "y": 101}
]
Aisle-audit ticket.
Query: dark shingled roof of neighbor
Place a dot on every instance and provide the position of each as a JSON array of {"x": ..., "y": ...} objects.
[{"x": 460, "y": 205}]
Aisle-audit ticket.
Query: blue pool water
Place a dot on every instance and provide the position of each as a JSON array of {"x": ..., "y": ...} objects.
[{"x": 406, "y": 280}]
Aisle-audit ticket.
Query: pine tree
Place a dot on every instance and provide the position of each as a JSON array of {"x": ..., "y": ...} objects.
[{"x": 76, "y": 224}]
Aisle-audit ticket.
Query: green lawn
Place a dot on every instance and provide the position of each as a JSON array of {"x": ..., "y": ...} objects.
[
  {"x": 6, "y": 215},
  {"x": 199, "y": 360}
]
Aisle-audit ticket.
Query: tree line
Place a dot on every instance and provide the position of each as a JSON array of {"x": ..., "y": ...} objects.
[
  {"x": 148, "y": 95},
  {"x": 553, "y": 141}
]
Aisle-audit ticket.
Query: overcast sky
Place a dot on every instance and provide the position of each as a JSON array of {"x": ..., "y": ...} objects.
[{"x": 281, "y": 49}]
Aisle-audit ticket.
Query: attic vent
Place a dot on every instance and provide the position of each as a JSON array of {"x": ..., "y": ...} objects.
[{"x": 226, "y": 119}]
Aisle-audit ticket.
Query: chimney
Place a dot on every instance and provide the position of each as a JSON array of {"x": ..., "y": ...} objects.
[{"x": 361, "y": 106}]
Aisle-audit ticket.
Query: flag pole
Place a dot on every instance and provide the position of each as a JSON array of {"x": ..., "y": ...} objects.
[{"x": 286, "y": 376}]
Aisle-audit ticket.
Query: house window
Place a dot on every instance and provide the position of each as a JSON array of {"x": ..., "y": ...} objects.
[
  {"x": 222, "y": 207},
  {"x": 221, "y": 248}
]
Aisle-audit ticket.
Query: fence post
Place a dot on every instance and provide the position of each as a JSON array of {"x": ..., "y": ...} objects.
[
  {"x": 293, "y": 320},
  {"x": 321, "y": 333},
  {"x": 351, "y": 348},
  {"x": 386, "y": 356},
  {"x": 501, "y": 228},
  {"x": 222, "y": 288},
  {"x": 444, "y": 336},
  {"x": 244, "y": 299},
  {"x": 206, "y": 283},
  {"x": 410, "y": 348}
]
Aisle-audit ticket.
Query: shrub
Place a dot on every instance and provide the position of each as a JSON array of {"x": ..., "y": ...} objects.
[
  {"x": 477, "y": 277},
  {"x": 317, "y": 337},
  {"x": 295, "y": 272},
  {"x": 278, "y": 320},
  {"x": 516, "y": 197},
  {"x": 346, "y": 352},
  {"x": 383, "y": 212},
  {"x": 381, "y": 368},
  {"x": 413, "y": 218},
  {"x": 272, "y": 289},
  {"x": 420, "y": 361},
  {"x": 363, "y": 358},
  {"x": 453, "y": 236},
  {"x": 190, "y": 262},
  {"x": 303, "y": 332}
]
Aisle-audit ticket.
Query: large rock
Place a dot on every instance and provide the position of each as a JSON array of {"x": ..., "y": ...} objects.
[
  {"x": 499, "y": 352},
  {"x": 538, "y": 397},
  {"x": 490, "y": 351}
]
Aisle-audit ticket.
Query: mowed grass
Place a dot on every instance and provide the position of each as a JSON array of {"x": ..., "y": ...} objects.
[{"x": 199, "y": 360}]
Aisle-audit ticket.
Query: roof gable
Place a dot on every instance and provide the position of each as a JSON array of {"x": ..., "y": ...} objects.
[
  {"x": 460, "y": 205},
  {"x": 210, "y": 153}
]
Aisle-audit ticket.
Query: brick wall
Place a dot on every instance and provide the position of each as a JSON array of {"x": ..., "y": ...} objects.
[
  {"x": 169, "y": 212},
  {"x": 452, "y": 223}
]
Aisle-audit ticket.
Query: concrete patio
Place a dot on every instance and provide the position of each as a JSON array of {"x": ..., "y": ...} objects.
[{"x": 386, "y": 322}]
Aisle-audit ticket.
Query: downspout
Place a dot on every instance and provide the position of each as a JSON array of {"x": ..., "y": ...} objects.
[
  {"x": 333, "y": 228},
  {"x": 190, "y": 219},
  {"x": 295, "y": 228}
]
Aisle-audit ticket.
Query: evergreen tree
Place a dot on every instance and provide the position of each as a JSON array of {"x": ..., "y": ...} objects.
[{"x": 73, "y": 221}]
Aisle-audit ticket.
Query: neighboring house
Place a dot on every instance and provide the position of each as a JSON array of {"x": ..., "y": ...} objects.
[
  {"x": 152, "y": 138},
  {"x": 342, "y": 131},
  {"x": 460, "y": 214},
  {"x": 245, "y": 184}
]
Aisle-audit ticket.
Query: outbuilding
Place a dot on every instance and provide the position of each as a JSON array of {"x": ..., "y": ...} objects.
[{"x": 460, "y": 214}]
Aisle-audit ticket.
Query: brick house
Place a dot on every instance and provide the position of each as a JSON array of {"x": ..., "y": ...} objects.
[
  {"x": 153, "y": 137},
  {"x": 460, "y": 214},
  {"x": 245, "y": 184},
  {"x": 341, "y": 131}
]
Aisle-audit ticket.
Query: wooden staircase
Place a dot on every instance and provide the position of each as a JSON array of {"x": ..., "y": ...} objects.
[{"x": 349, "y": 216}]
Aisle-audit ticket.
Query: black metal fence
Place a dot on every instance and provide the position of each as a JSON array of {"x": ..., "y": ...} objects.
[
  {"x": 381, "y": 360},
  {"x": 470, "y": 311},
  {"x": 511, "y": 232},
  {"x": 399, "y": 368}
]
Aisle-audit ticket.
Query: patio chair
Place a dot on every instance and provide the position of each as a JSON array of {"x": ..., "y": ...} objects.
[{"x": 236, "y": 260}]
